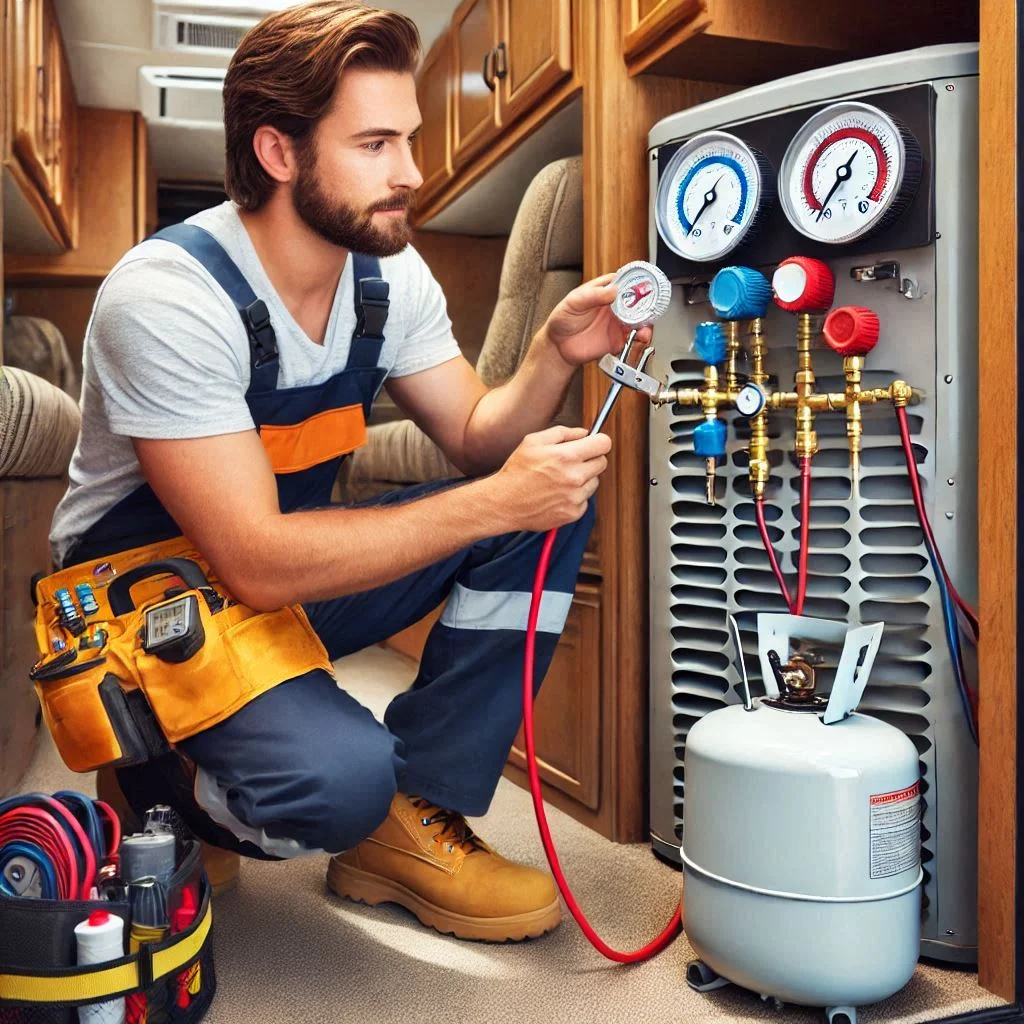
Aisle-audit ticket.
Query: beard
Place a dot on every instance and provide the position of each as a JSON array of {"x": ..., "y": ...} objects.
[{"x": 347, "y": 226}]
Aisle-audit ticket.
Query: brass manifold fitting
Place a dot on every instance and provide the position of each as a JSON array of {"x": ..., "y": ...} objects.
[{"x": 713, "y": 397}]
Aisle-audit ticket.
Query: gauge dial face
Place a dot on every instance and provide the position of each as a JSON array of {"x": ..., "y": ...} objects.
[
  {"x": 844, "y": 171},
  {"x": 709, "y": 196}
]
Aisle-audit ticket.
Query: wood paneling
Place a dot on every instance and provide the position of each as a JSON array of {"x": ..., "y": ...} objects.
[
  {"x": 618, "y": 112},
  {"x": 474, "y": 106},
  {"x": 468, "y": 270},
  {"x": 998, "y": 462},
  {"x": 535, "y": 51}
]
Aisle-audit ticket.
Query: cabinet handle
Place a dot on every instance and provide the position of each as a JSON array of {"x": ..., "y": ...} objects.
[
  {"x": 500, "y": 61},
  {"x": 488, "y": 80}
]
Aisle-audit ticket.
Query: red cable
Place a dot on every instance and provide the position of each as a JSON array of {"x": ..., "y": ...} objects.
[
  {"x": 767, "y": 541},
  {"x": 805, "y": 541},
  {"x": 674, "y": 926},
  {"x": 114, "y": 821},
  {"x": 922, "y": 515}
]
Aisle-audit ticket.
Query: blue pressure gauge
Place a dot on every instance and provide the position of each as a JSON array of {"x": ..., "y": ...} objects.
[{"x": 711, "y": 196}]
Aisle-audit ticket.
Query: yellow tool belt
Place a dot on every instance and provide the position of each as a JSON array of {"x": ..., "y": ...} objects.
[{"x": 102, "y": 681}]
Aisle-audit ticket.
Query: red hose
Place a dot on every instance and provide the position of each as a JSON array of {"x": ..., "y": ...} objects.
[
  {"x": 767, "y": 541},
  {"x": 674, "y": 926},
  {"x": 915, "y": 486},
  {"x": 805, "y": 527}
]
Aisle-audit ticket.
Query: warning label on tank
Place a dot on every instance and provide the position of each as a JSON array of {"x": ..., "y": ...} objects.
[{"x": 895, "y": 831}]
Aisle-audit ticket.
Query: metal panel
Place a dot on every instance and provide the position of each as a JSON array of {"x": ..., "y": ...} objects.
[{"x": 867, "y": 561}]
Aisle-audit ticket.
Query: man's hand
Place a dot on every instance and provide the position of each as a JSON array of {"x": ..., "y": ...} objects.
[
  {"x": 583, "y": 328},
  {"x": 548, "y": 480}
]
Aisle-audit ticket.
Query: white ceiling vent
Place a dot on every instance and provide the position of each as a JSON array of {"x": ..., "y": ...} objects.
[
  {"x": 182, "y": 95},
  {"x": 191, "y": 30}
]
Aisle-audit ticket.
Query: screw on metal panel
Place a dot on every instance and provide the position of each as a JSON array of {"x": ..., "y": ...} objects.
[
  {"x": 948, "y": 378},
  {"x": 949, "y": 515},
  {"x": 938, "y": 234},
  {"x": 950, "y": 88},
  {"x": 950, "y": 481},
  {"x": 949, "y": 931},
  {"x": 654, "y": 481}
]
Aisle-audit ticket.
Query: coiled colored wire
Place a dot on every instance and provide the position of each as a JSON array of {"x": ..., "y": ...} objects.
[
  {"x": 674, "y": 926},
  {"x": 950, "y": 599}
]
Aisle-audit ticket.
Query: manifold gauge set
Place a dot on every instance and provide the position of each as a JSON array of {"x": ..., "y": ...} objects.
[{"x": 848, "y": 172}]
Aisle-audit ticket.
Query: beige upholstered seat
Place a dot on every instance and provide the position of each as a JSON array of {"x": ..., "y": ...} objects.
[{"x": 543, "y": 262}]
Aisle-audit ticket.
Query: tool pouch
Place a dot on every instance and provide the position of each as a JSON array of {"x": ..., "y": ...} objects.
[
  {"x": 107, "y": 701},
  {"x": 172, "y": 981}
]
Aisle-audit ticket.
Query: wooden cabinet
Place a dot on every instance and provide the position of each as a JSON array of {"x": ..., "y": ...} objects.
[
  {"x": 750, "y": 41},
  {"x": 115, "y": 193},
  {"x": 432, "y": 147},
  {"x": 474, "y": 105},
  {"x": 534, "y": 53},
  {"x": 40, "y": 159},
  {"x": 507, "y": 56},
  {"x": 568, "y": 707}
]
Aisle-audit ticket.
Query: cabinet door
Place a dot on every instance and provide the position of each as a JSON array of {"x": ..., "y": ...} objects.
[
  {"x": 644, "y": 21},
  {"x": 567, "y": 712},
  {"x": 431, "y": 148},
  {"x": 474, "y": 100},
  {"x": 534, "y": 54},
  {"x": 26, "y": 87}
]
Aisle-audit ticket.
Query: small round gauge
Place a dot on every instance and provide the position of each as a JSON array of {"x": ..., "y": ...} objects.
[
  {"x": 850, "y": 170},
  {"x": 711, "y": 195}
]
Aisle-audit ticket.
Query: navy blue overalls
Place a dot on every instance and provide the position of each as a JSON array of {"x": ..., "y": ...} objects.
[{"x": 305, "y": 761}]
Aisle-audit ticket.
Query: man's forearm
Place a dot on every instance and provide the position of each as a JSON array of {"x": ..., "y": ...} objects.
[
  {"x": 325, "y": 553},
  {"x": 526, "y": 403}
]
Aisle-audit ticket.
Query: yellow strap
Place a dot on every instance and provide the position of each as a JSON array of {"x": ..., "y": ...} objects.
[{"x": 27, "y": 988}]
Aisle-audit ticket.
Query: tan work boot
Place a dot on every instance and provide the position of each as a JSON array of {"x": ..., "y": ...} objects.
[
  {"x": 429, "y": 860},
  {"x": 222, "y": 866}
]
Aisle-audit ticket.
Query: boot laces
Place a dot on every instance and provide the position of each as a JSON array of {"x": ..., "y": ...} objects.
[{"x": 455, "y": 830}]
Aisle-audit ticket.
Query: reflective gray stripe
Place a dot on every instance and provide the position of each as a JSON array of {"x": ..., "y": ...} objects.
[{"x": 504, "y": 609}]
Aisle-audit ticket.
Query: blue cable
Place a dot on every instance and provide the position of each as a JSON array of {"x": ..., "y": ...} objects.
[{"x": 36, "y": 854}]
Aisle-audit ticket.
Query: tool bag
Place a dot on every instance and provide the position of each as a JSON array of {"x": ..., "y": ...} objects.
[
  {"x": 173, "y": 981},
  {"x": 109, "y": 697}
]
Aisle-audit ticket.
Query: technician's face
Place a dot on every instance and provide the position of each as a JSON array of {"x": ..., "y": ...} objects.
[{"x": 356, "y": 177}]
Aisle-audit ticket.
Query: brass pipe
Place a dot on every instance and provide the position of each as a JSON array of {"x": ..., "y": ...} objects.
[
  {"x": 806, "y": 438},
  {"x": 732, "y": 350},
  {"x": 710, "y": 404},
  {"x": 853, "y": 368},
  {"x": 758, "y": 465}
]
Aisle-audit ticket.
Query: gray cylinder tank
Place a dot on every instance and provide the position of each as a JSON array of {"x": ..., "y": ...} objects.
[{"x": 802, "y": 853}]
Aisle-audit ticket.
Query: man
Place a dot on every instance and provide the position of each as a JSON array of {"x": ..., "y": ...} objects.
[{"x": 228, "y": 430}]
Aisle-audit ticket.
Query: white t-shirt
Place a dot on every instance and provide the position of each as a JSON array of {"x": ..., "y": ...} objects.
[{"x": 166, "y": 356}]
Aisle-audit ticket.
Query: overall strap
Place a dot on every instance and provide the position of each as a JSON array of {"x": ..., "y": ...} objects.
[
  {"x": 254, "y": 313},
  {"x": 371, "y": 300}
]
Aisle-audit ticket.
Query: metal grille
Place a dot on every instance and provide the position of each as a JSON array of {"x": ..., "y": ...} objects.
[
  {"x": 204, "y": 36},
  {"x": 867, "y": 561}
]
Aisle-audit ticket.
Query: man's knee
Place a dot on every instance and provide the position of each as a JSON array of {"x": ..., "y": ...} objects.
[{"x": 349, "y": 793}]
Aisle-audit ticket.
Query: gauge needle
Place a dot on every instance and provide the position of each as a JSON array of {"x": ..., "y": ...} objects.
[
  {"x": 842, "y": 174},
  {"x": 709, "y": 197}
]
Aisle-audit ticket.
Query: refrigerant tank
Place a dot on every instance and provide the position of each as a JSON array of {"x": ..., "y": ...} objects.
[{"x": 802, "y": 851}]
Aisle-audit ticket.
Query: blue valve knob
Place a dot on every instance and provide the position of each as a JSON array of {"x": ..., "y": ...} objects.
[
  {"x": 740, "y": 293},
  {"x": 709, "y": 439},
  {"x": 709, "y": 342}
]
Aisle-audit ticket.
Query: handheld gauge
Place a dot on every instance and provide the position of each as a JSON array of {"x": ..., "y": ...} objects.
[
  {"x": 174, "y": 630},
  {"x": 711, "y": 196},
  {"x": 643, "y": 296},
  {"x": 849, "y": 171}
]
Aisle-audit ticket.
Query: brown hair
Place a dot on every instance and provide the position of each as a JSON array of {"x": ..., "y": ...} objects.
[{"x": 285, "y": 73}]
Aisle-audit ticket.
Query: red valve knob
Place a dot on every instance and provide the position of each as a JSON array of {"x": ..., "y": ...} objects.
[
  {"x": 803, "y": 285},
  {"x": 851, "y": 330}
]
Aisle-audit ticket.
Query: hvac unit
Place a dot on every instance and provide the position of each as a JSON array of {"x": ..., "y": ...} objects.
[
  {"x": 182, "y": 95},
  {"x": 192, "y": 28},
  {"x": 867, "y": 559}
]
